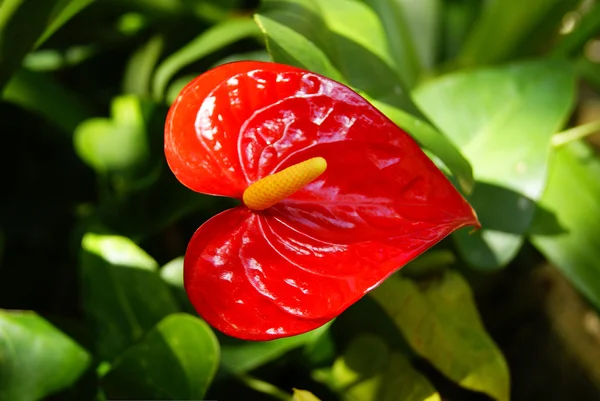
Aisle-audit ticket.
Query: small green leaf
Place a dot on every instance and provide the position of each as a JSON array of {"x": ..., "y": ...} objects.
[
  {"x": 211, "y": 40},
  {"x": 176, "y": 360},
  {"x": 439, "y": 320},
  {"x": 118, "y": 144},
  {"x": 503, "y": 120},
  {"x": 573, "y": 198},
  {"x": 123, "y": 294},
  {"x": 303, "y": 395},
  {"x": 36, "y": 359},
  {"x": 139, "y": 69},
  {"x": 370, "y": 371}
]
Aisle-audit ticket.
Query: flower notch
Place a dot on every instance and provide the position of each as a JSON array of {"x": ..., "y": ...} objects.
[{"x": 274, "y": 188}]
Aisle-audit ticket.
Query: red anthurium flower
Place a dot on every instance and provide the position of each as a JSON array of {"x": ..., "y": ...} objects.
[{"x": 335, "y": 197}]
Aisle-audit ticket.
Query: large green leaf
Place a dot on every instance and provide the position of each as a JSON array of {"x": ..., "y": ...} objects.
[
  {"x": 218, "y": 36},
  {"x": 502, "y": 119},
  {"x": 21, "y": 24},
  {"x": 439, "y": 320},
  {"x": 370, "y": 371},
  {"x": 573, "y": 198},
  {"x": 176, "y": 360},
  {"x": 36, "y": 359},
  {"x": 123, "y": 294},
  {"x": 297, "y": 34}
]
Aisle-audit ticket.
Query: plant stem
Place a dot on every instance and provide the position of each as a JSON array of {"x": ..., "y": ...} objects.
[{"x": 575, "y": 133}]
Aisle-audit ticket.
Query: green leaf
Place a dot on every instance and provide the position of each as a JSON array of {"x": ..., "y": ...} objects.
[
  {"x": 303, "y": 395},
  {"x": 120, "y": 143},
  {"x": 348, "y": 33},
  {"x": 176, "y": 360},
  {"x": 286, "y": 46},
  {"x": 21, "y": 24},
  {"x": 439, "y": 320},
  {"x": 370, "y": 371},
  {"x": 123, "y": 294},
  {"x": 172, "y": 273},
  {"x": 138, "y": 73},
  {"x": 36, "y": 358},
  {"x": 573, "y": 198},
  {"x": 211, "y": 40},
  {"x": 244, "y": 356},
  {"x": 502, "y": 26},
  {"x": 502, "y": 119},
  {"x": 412, "y": 33},
  {"x": 63, "y": 12},
  {"x": 40, "y": 93}
]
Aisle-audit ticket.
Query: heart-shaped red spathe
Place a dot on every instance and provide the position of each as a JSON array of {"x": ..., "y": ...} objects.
[{"x": 291, "y": 268}]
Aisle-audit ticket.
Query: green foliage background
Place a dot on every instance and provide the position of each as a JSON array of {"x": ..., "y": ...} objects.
[{"x": 502, "y": 95}]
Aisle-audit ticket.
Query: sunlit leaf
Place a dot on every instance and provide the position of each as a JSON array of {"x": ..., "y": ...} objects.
[
  {"x": 175, "y": 360},
  {"x": 439, "y": 320},
  {"x": 502, "y": 119},
  {"x": 117, "y": 144},
  {"x": 36, "y": 359},
  {"x": 573, "y": 198},
  {"x": 303, "y": 395},
  {"x": 123, "y": 294},
  {"x": 370, "y": 371}
]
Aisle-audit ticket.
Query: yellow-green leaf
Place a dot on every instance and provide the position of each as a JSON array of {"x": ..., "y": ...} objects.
[{"x": 439, "y": 320}]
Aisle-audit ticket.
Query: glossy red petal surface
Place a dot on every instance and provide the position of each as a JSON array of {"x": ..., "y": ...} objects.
[
  {"x": 380, "y": 203},
  {"x": 224, "y": 283},
  {"x": 254, "y": 278}
]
